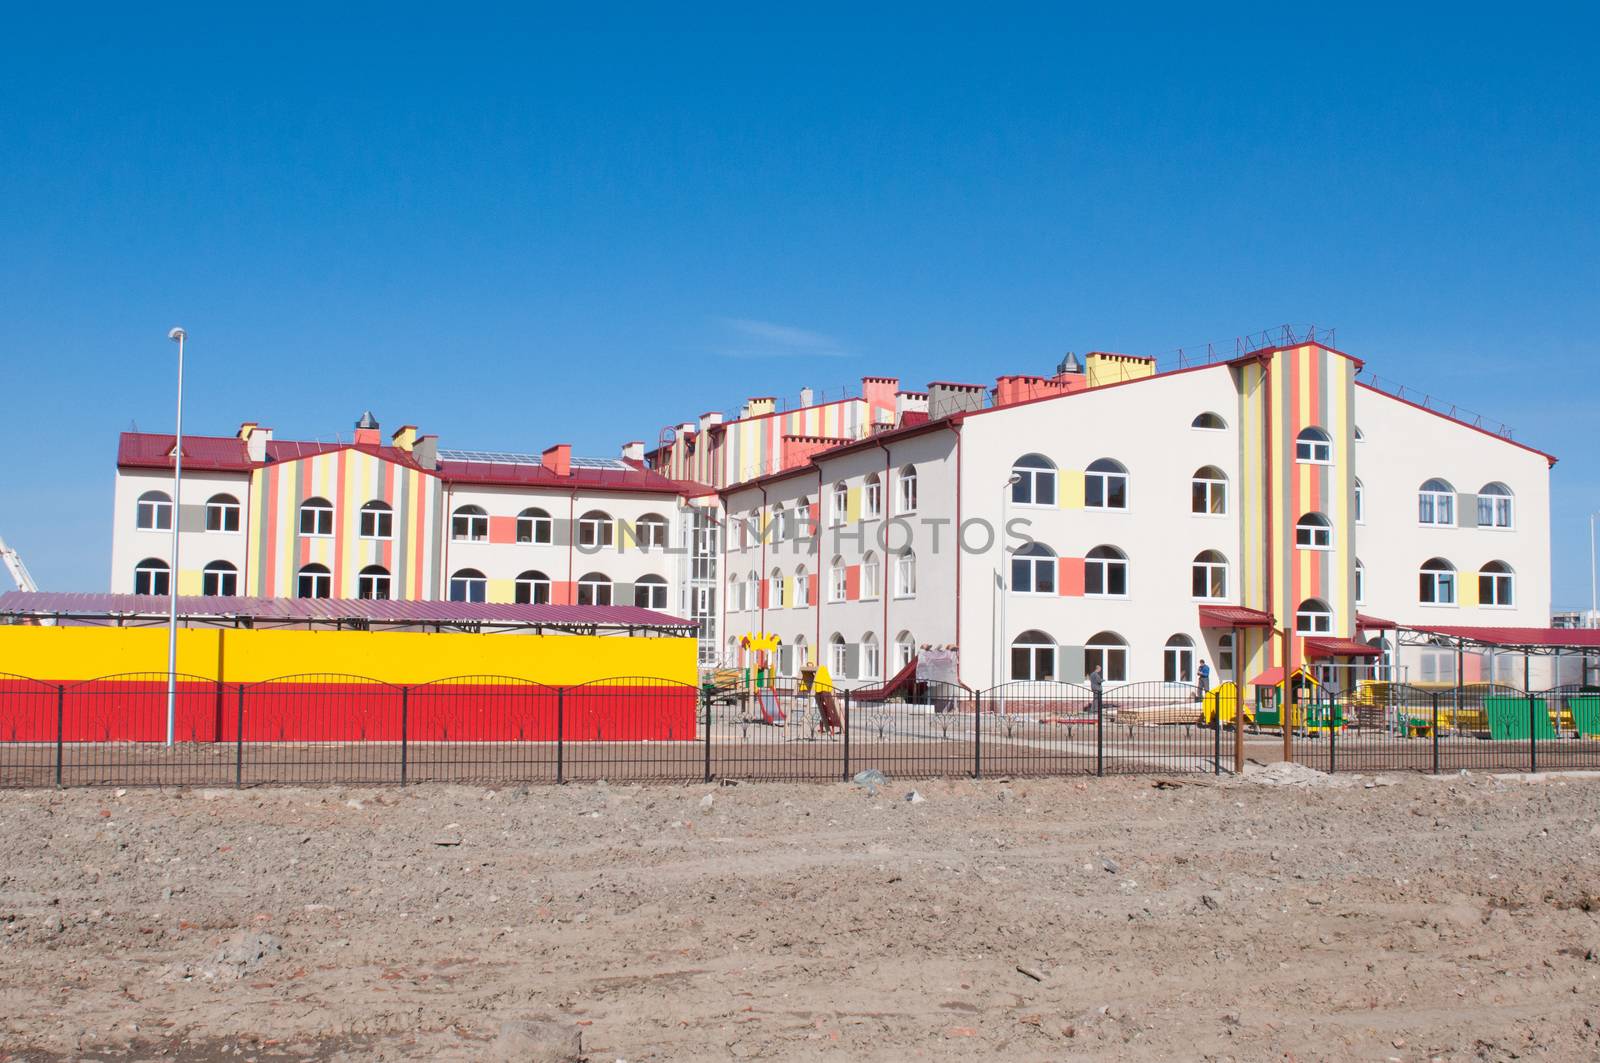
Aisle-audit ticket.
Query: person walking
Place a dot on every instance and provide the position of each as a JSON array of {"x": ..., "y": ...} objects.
[{"x": 1202, "y": 681}]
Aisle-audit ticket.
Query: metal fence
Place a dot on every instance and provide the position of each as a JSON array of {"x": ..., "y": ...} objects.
[
  {"x": 485, "y": 729},
  {"x": 1479, "y": 727}
]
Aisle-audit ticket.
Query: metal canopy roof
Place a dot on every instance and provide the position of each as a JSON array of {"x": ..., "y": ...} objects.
[
  {"x": 1323, "y": 648},
  {"x": 1546, "y": 640},
  {"x": 1233, "y": 616},
  {"x": 142, "y": 609}
]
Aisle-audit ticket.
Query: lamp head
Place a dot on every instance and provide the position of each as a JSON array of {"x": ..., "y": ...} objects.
[{"x": 177, "y": 335}]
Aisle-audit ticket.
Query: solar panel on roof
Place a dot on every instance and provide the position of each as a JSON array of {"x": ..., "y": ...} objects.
[
  {"x": 598, "y": 463},
  {"x": 493, "y": 457}
]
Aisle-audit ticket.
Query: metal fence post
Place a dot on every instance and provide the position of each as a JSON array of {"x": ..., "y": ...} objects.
[
  {"x": 1533, "y": 735},
  {"x": 847, "y": 736},
  {"x": 1434, "y": 729},
  {"x": 977, "y": 735},
  {"x": 705, "y": 696},
  {"x": 238, "y": 744},
  {"x": 61, "y": 697},
  {"x": 1216, "y": 739},
  {"x": 561, "y": 735},
  {"x": 405, "y": 721},
  {"x": 1099, "y": 733},
  {"x": 1330, "y": 712}
]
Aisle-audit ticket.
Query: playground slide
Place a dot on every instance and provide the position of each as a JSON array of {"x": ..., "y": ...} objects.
[{"x": 902, "y": 682}]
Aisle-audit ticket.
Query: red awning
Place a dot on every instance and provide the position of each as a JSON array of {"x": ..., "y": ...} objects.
[
  {"x": 1270, "y": 678},
  {"x": 1233, "y": 616},
  {"x": 1321, "y": 648},
  {"x": 1372, "y": 623}
]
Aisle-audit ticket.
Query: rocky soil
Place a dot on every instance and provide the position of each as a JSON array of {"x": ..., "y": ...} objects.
[{"x": 1288, "y": 915}]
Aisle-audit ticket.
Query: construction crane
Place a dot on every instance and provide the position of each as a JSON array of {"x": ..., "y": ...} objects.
[{"x": 19, "y": 571}]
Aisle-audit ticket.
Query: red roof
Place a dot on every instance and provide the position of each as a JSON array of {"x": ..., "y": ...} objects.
[
  {"x": 506, "y": 475},
  {"x": 1372, "y": 623},
  {"x": 1547, "y": 638},
  {"x": 1233, "y": 616},
  {"x": 1332, "y": 647}
]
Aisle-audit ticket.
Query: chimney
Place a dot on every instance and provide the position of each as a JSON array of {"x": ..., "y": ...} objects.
[
  {"x": 805, "y": 396},
  {"x": 558, "y": 459},
  {"x": 255, "y": 439},
  {"x": 367, "y": 430},
  {"x": 709, "y": 419},
  {"x": 1104, "y": 367},
  {"x": 945, "y": 398},
  {"x": 404, "y": 438},
  {"x": 425, "y": 452},
  {"x": 1069, "y": 366},
  {"x": 909, "y": 402},
  {"x": 633, "y": 451},
  {"x": 760, "y": 407}
]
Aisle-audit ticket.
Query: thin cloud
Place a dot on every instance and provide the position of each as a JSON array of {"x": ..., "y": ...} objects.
[{"x": 768, "y": 339}]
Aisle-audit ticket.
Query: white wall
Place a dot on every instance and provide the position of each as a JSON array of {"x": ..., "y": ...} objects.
[{"x": 130, "y": 544}]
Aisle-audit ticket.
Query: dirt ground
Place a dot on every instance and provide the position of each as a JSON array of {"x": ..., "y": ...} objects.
[{"x": 1283, "y": 916}]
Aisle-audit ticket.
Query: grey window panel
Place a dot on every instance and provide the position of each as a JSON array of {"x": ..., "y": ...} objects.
[
  {"x": 192, "y": 518},
  {"x": 1069, "y": 664},
  {"x": 1466, "y": 510},
  {"x": 852, "y": 661},
  {"x": 562, "y": 532},
  {"x": 621, "y": 593}
]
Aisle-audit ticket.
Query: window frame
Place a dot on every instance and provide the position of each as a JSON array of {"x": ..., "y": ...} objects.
[
  {"x": 156, "y": 503},
  {"x": 838, "y": 504},
  {"x": 1111, "y": 655},
  {"x": 227, "y": 510},
  {"x": 533, "y": 520},
  {"x": 654, "y": 588},
  {"x": 1306, "y": 616},
  {"x": 375, "y": 583},
  {"x": 905, "y": 575},
  {"x": 596, "y": 585},
  {"x": 1313, "y": 445},
  {"x": 596, "y": 529},
  {"x": 1034, "y": 480},
  {"x": 315, "y": 575},
  {"x": 1503, "y": 499},
  {"x": 1026, "y": 564},
  {"x": 321, "y": 514},
  {"x": 1497, "y": 579},
  {"x": 217, "y": 573},
  {"x": 381, "y": 524},
  {"x": 659, "y": 532},
  {"x": 1205, "y": 491},
  {"x": 1104, "y": 483},
  {"x": 1432, "y": 500},
  {"x": 1208, "y": 562},
  {"x": 529, "y": 582},
  {"x": 872, "y": 497},
  {"x": 1100, "y": 569},
  {"x": 1438, "y": 586},
  {"x": 871, "y": 577},
  {"x": 148, "y": 572},
  {"x": 1313, "y": 531},
  {"x": 464, "y": 582},
  {"x": 1178, "y": 660},
  {"x": 905, "y": 494}
]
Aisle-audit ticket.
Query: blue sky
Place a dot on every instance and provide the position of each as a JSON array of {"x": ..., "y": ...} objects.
[{"x": 516, "y": 230}]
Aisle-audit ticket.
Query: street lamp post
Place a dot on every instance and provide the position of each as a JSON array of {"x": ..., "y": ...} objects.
[
  {"x": 1594, "y": 599},
  {"x": 177, "y": 336}
]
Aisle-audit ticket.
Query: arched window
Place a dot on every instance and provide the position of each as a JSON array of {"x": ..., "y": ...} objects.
[
  {"x": 905, "y": 575},
  {"x": 1033, "y": 656},
  {"x": 1313, "y": 445},
  {"x": 151, "y": 576},
  {"x": 836, "y": 579},
  {"x": 1177, "y": 660},
  {"x": 838, "y": 656},
  {"x": 735, "y": 594},
  {"x": 1033, "y": 481},
  {"x": 219, "y": 579},
  {"x": 535, "y": 526},
  {"x": 905, "y": 648},
  {"x": 775, "y": 588},
  {"x": 802, "y": 513},
  {"x": 595, "y": 529},
  {"x": 154, "y": 512},
  {"x": 1105, "y": 572},
  {"x": 1209, "y": 421},
  {"x": 468, "y": 585},
  {"x": 1360, "y": 435},
  {"x": 752, "y": 589},
  {"x": 838, "y": 504},
  {"x": 316, "y": 517},
  {"x": 1033, "y": 569},
  {"x": 1105, "y": 485},
  {"x": 1361, "y": 583},
  {"x": 1437, "y": 583},
  {"x": 594, "y": 589},
  {"x": 1314, "y": 532},
  {"x": 313, "y": 581},
  {"x": 1436, "y": 503},
  {"x": 222, "y": 513},
  {"x": 871, "y": 657},
  {"x": 1313, "y": 617},
  {"x": 871, "y": 575},
  {"x": 1494, "y": 506},
  {"x": 802, "y": 653},
  {"x": 1225, "y": 655},
  {"x": 783, "y": 524},
  {"x": 873, "y": 507},
  {"x": 906, "y": 493},
  {"x": 1496, "y": 584},
  {"x": 1208, "y": 491},
  {"x": 373, "y": 582},
  {"x": 650, "y": 592},
  {"x": 377, "y": 520},
  {"x": 1209, "y": 576},
  {"x": 1361, "y": 502},
  {"x": 1109, "y": 652},
  {"x": 533, "y": 588},
  {"x": 651, "y": 531},
  {"x": 802, "y": 587},
  {"x": 469, "y": 524}
]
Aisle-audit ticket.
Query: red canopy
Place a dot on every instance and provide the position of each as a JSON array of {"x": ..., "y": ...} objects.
[
  {"x": 1331, "y": 647},
  {"x": 1233, "y": 616}
]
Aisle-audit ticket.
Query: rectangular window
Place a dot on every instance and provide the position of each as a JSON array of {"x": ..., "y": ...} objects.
[{"x": 874, "y": 505}]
